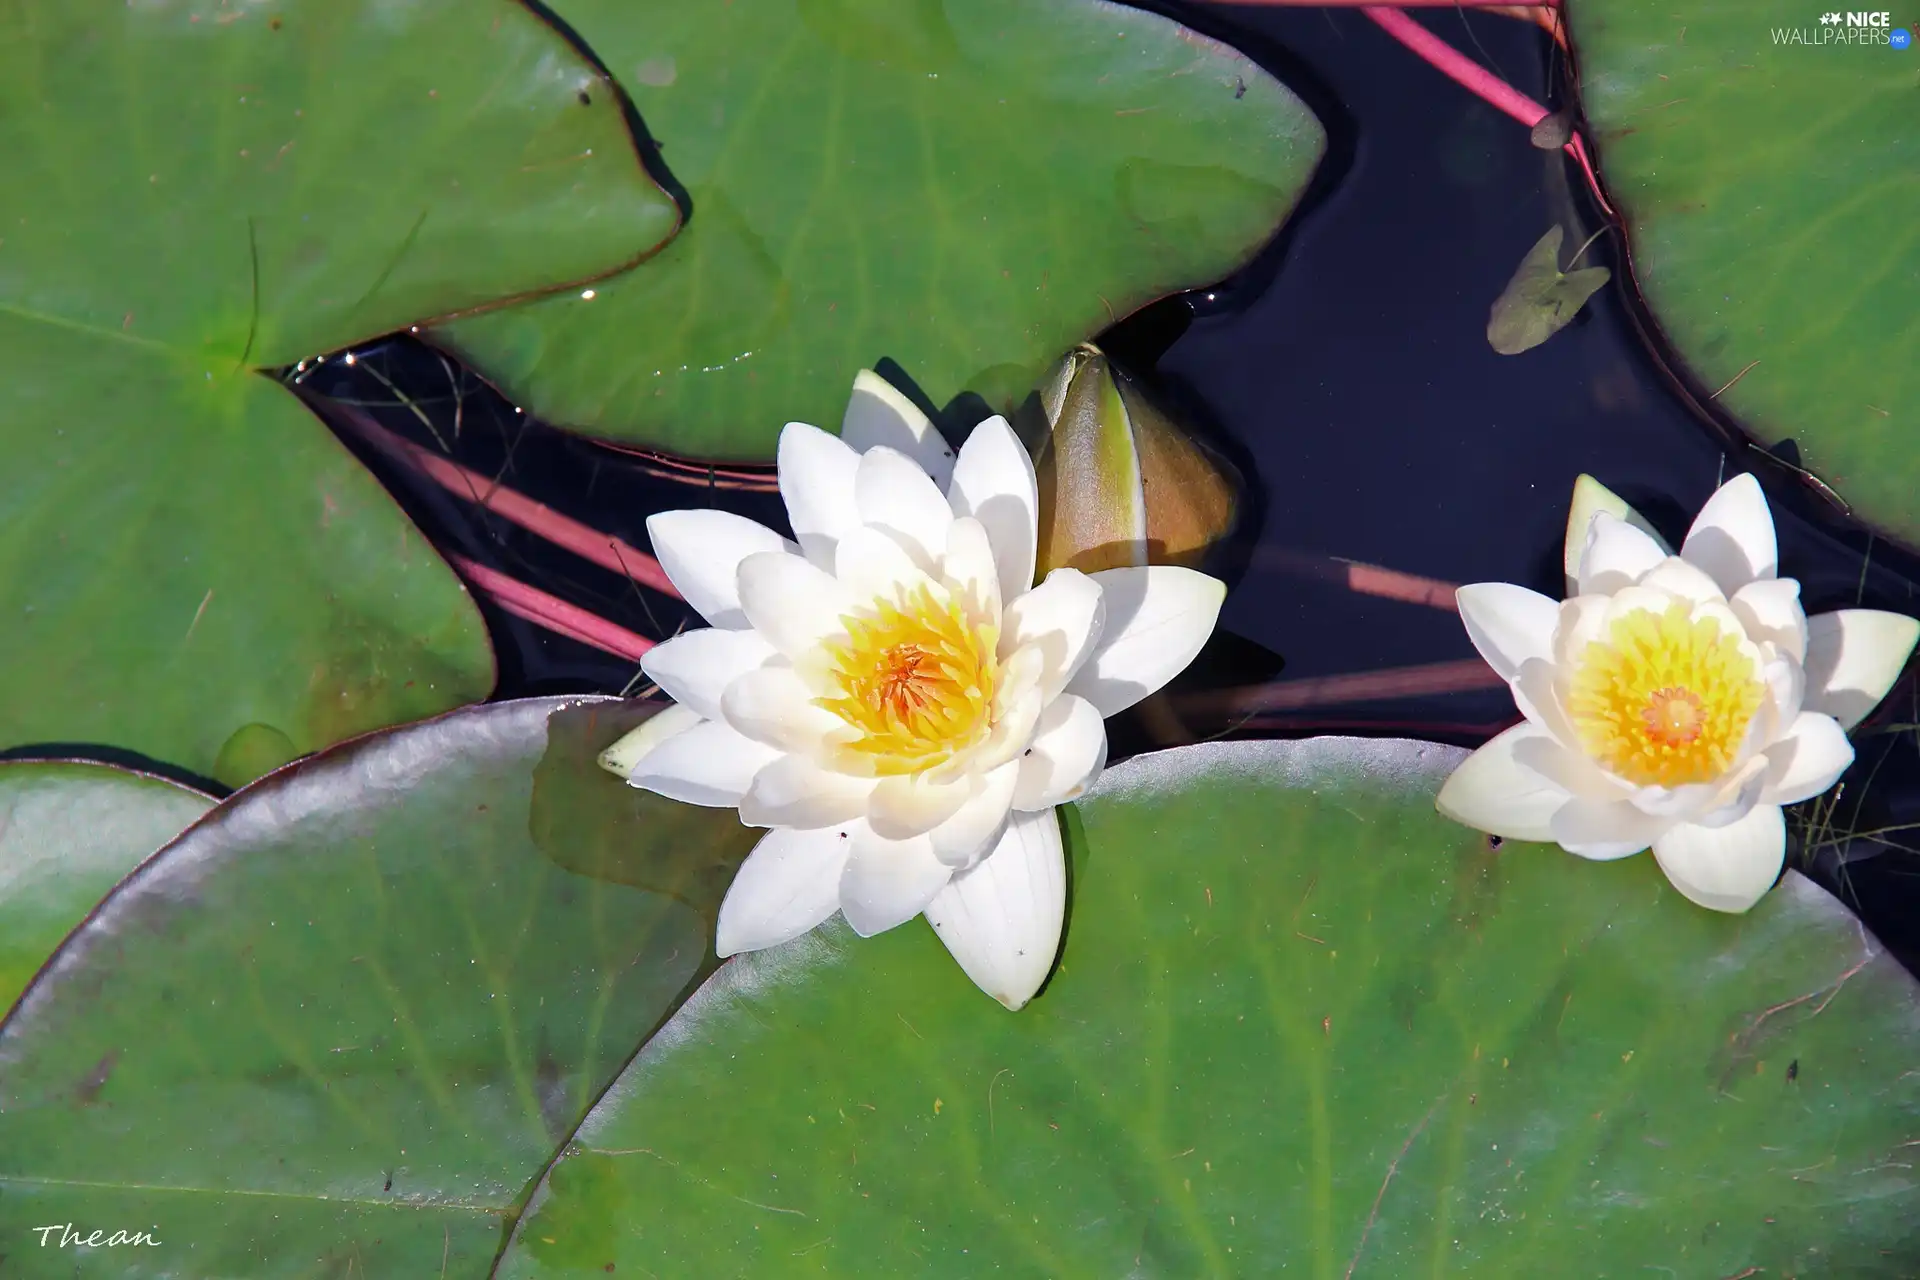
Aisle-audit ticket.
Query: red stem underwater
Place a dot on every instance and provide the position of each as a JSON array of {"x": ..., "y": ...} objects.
[
  {"x": 536, "y": 518},
  {"x": 1482, "y": 83},
  {"x": 553, "y": 613}
]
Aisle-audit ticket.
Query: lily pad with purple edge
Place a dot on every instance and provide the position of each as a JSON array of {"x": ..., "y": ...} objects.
[
  {"x": 1301, "y": 1023},
  {"x": 966, "y": 188},
  {"x": 69, "y": 831},
  {"x": 341, "y": 1025}
]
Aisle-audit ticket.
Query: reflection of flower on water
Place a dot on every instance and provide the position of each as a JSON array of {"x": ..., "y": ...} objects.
[
  {"x": 1673, "y": 701},
  {"x": 893, "y": 696}
]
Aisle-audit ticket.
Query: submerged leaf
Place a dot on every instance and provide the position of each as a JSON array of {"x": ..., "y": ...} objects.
[
  {"x": 1541, "y": 298},
  {"x": 1553, "y": 131}
]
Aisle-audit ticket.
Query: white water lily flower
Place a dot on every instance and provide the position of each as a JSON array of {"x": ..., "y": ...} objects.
[
  {"x": 893, "y": 696},
  {"x": 1673, "y": 701}
]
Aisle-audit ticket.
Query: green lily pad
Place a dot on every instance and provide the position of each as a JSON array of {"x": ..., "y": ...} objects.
[
  {"x": 1768, "y": 186},
  {"x": 1301, "y": 1025},
  {"x": 340, "y": 1025},
  {"x": 968, "y": 188},
  {"x": 69, "y": 832},
  {"x": 1541, "y": 299},
  {"x": 198, "y": 190}
]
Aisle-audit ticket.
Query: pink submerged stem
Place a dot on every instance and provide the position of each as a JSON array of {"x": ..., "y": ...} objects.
[
  {"x": 1426, "y": 680},
  {"x": 1363, "y": 579},
  {"x": 552, "y": 613},
  {"x": 1482, "y": 83},
  {"x": 536, "y": 518}
]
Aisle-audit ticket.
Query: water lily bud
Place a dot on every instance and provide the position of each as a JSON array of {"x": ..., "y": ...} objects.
[
  {"x": 1121, "y": 485},
  {"x": 1590, "y": 498}
]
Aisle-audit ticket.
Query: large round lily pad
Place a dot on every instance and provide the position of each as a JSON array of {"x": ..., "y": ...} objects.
[
  {"x": 197, "y": 190},
  {"x": 340, "y": 1025},
  {"x": 1766, "y": 165},
  {"x": 1302, "y": 1025},
  {"x": 68, "y": 833},
  {"x": 968, "y": 187}
]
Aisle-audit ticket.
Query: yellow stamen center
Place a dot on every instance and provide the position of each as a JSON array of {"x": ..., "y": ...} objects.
[
  {"x": 1665, "y": 698},
  {"x": 915, "y": 678}
]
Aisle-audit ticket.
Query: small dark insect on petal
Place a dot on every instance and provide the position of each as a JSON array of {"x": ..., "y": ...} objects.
[
  {"x": 1793, "y": 1071},
  {"x": 1494, "y": 842},
  {"x": 586, "y": 99},
  {"x": 389, "y": 1185}
]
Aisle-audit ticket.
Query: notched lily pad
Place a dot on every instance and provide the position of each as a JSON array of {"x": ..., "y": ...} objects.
[
  {"x": 197, "y": 191},
  {"x": 968, "y": 189},
  {"x": 339, "y": 1025},
  {"x": 1541, "y": 299}
]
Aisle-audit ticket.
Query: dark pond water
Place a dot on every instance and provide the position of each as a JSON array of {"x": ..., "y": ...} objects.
[{"x": 1348, "y": 370}]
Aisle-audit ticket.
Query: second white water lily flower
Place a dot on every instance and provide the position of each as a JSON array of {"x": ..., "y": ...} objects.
[
  {"x": 893, "y": 696},
  {"x": 1673, "y": 702}
]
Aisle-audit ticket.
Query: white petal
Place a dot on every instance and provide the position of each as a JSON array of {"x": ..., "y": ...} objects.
[
  {"x": 1770, "y": 611},
  {"x": 701, "y": 551},
  {"x": 816, "y": 482},
  {"x": 620, "y": 758},
  {"x": 1508, "y": 624},
  {"x": 1016, "y": 712},
  {"x": 795, "y": 792},
  {"x": 1568, "y": 768},
  {"x": 888, "y": 882},
  {"x": 878, "y": 414},
  {"x": 792, "y": 602},
  {"x": 1069, "y": 750},
  {"x": 872, "y": 565},
  {"x": 1688, "y": 581},
  {"x": 710, "y": 764},
  {"x": 1062, "y": 619},
  {"x": 1618, "y": 554},
  {"x": 908, "y": 806},
  {"x": 892, "y": 491},
  {"x": 968, "y": 835},
  {"x": 968, "y": 569},
  {"x": 694, "y": 667},
  {"x": 1732, "y": 537},
  {"x": 1807, "y": 760},
  {"x": 1728, "y": 796},
  {"x": 1622, "y": 553},
  {"x": 993, "y": 482},
  {"x": 1001, "y": 920},
  {"x": 787, "y": 885},
  {"x": 1583, "y": 620},
  {"x": 1491, "y": 791},
  {"x": 1605, "y": 829},
  {"x": 774, "y": 706},
  {"x": 1536, "y": 692},
  {"x": 1786, "y": 696},
  {"x": 1853, "y": 658},
  {"x": 1158, "y": 620},
  {"x": 1728, "y": 868}
]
